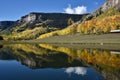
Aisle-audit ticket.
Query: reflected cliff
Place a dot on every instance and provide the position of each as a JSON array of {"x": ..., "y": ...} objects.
[{"x": 36, "y": 56}]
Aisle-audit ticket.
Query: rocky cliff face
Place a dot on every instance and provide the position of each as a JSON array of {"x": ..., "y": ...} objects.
[
  {"x": 28, "y": 18},
  {"x": 107, "y": 5},
  {"x": 50, "y": 19},
  {"x": 5, "y": 24}
]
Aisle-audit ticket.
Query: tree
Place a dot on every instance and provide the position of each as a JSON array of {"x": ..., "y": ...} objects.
[
  {"x": 1, "y": 38},
  {"x": 70, "y": 21}
]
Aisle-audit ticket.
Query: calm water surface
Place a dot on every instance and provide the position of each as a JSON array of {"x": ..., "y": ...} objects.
[{"x": 46, "y": 62}]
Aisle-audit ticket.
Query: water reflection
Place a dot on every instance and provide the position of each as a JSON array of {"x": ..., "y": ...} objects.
[
  {"x": 92, "y": 56},
  {"x": 74, "y": 61},
  {"x": 35, "y": 56},
  {"x": 103, "y": 61},
  {"x": 1, "y": 46},
  {"x": 76, "y": 70}
]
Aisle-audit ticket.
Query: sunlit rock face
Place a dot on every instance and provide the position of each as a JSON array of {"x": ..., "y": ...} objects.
[
  {"x": 29, "y": 18},
  {"x": 33, "y": 17},
  {"x": 109, "y": 4}
]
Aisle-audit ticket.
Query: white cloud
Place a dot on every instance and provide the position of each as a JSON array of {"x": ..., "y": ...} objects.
[
  {"x": 80, "y": 10},
  {"x": 76, "y": 10},
  {"x": 69, "y": 10}
]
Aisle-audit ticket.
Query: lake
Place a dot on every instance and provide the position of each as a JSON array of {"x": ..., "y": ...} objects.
[{"x": 48, "y": 62}]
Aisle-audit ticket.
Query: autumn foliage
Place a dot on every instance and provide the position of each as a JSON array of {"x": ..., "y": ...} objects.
[
  {"x": 99, "y": 26},
  {"x": 91, "y": 56}
]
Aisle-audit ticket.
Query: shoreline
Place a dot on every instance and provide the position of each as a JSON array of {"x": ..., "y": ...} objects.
[{"x": 102, "y": 39}]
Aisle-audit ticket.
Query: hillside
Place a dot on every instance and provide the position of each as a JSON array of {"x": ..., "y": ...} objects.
[
  {"x": 100, "y": 23},
  {"x": 34, "y": 24},
  {"x": 5, "y": 24},
  {"x": 94, "y": 26}
]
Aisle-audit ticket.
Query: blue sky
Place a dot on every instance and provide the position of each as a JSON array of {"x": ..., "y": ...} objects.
[{"x": 14, "y": 9}]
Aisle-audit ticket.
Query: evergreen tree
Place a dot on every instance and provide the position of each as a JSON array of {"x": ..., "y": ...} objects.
[{"x": 1, "y": 38}]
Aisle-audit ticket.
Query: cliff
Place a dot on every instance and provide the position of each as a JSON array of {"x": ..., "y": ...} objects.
[
  {"x": 58, "y": 20},
  {"x": 106, "y": 6}
]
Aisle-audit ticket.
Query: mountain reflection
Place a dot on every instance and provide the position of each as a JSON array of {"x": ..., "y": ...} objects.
[
  {"x": 1, "y": 46},
  {"x": 76, "y": 70},
  {"x": 35, "y": 56},
  {"x": 106, "y": 62}
]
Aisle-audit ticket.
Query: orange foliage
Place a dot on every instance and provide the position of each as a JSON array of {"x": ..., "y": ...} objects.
[
  {"x": 99, "y": 26},
  {"x": 102, "y": 57}
]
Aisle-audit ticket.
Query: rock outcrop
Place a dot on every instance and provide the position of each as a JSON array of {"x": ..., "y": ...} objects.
[
  {"x": 107, "y": 5},
  {"x": 29, "y": 18}
]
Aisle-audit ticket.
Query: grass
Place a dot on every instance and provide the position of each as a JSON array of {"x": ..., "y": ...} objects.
[
  {"x": 111, "y": 38},
  {"x": 80, "y": 38}
]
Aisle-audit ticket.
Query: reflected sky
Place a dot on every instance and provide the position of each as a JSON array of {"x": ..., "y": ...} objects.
[
  {"x": 46, "y": 62},
  {"x": 13, "y": 70}
]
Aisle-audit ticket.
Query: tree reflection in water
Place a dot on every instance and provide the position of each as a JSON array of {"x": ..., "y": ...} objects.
[{"x": 43, "y": 55}]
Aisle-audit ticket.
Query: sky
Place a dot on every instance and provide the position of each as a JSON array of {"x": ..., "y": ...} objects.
[{"x": 15, "y": 9}]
